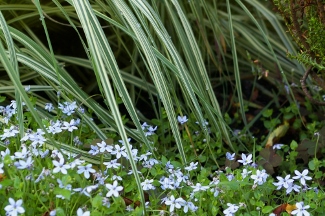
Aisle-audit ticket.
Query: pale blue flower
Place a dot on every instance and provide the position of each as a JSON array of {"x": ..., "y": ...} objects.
[
  {"x": 76, "y": 162},
  {"x": 199, "y": 187},
  {"x": 80, "y": 212},
  {"x": 174, "y": 203},
  {"x": 182, "y": 119},
  {"x": 49, "y": 107},
  {"x": 70, "y": 126},
  {"x": 230, "y": 156},
  {"x": 147, "y": 185},
  {"x": 93, "y": 150},
  {"x": 119, "y": 151},
  {"x": 260, "y": 177},
  {"x": 86, "y": 170},
  {"x": 245, "y": 173},
  {"x": 14, "y": 208},
  {"x": 112, "y": 164},
  {"x": 192, "y": 166},
  {"x": 283, "y": 182},
  {"x": 60, "y": 166},
  {"x": 301, "y": 209},
  {"x": 245, "y": 160},
  {"x": 11, "y": 132},
  {"x": 166, "y": 183},
  {"x": 68, "y": 108},
  {"x": 104, "y": 147},
  {"x": 278, "y": 146},
  {"x": 22, "y": 164},
  {"x": 231, "y": 210},
  {"x": 302, "y": 176},
  {"x": 113, "y": 189}
]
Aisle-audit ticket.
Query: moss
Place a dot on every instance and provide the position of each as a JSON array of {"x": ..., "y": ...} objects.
[{"x": 306, "y": 23}]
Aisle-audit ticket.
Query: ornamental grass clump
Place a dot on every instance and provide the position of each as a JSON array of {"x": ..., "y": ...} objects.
[{"x": 154, "y": 108}]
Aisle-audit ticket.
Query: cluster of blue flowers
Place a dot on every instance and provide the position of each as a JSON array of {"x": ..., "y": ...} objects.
[{"x": 171, "y": 183}]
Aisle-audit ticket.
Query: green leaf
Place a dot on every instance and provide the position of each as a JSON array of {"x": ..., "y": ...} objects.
[
  {"x": 293, "y": 145},
  {"x": 97, "y": 202},
  {"x": 176, "y": 164},
  {"x": 202, "y": 158},
  {"x": 16, "y": 182},
  {"x": 312, "y": 164},
  {"x": 267, "y": 113},
  {"x": 318, "y": 174},
  {"x": 153, "y": 171},
  {"x": 164, "y": 160},
  {"x": 6, "y": 182},
  {"x": 129, "y": 187},
  {"x": 60, "y": 212},
  {"x": 267, "y": 124},
  {"x": 267, "y": 209},
  {"x": 288, "y": 116},
  {"x": 64, "y": 192},
  {"x": 96, "y": 213}
]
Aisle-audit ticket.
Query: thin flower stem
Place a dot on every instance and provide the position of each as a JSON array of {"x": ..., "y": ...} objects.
[
  {"x": 102, "y": 167},
  {"x": 38, "y": 197},
  {"x": 190, "y": 137}
]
